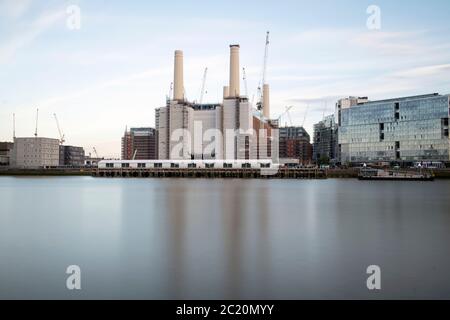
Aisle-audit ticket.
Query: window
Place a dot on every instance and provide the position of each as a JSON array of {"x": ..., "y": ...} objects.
[
  {"x": 157, "y": 165},
  {"x": 110, "y": 165},
  {"x": 265, "y": 165},
  {"x": 246, "y": 165},
  {"x": 141, "y": 165},
  {"x": 192, "y": 165},
  {"x": 227, "y": 165},
  {"x": 125, "y": 165},
  {"x": 174, "y": 165},
  {"x": 209, "y": 165}
]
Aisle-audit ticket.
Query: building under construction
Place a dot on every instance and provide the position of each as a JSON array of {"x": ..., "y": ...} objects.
[
  {"x": 139, "y": 144},
  {"x": 232, "y": 129},
  {"x": 294, "y": 143}
]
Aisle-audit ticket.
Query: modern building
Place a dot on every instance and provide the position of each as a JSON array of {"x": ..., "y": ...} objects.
[
  {"x": 71, "y": 156},
  {"x": 35, "y": 152},
  {"x": 325, "y": 141},
  {"x": 294, "y": 143},
  {"x": 139, "y": 144},
  {"x": 227, "y": 130},
  {"x": 407, "y": 129},
  {"x": 346, "y": 103},
  {"x": 5, "y": 152}
]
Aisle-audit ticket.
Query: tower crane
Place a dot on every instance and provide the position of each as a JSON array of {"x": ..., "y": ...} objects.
[
  {"x": 203, "y": 86},
  {"x": 287, "y": 111},
  {"x": 289, "y": 115},
  {"x": 14, "y": 125},
  {"x": 263, "y": 80},
  {"x": 61, "y": 135},
  {"x": 304, "y": 117},
  {"x": 244, "y": 78},
  {"x": 170, "y": 91},
  {"x": 95, "y": 152},
  {"x": 37, "y": 119}
]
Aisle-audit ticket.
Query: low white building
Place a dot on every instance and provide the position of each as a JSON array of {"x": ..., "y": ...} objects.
[{"x": 35, "y": 152}]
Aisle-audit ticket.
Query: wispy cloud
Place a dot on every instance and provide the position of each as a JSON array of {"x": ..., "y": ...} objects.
[
  {"x": 14, "y": 8},
  {"x": 426, "y": 71},
  {"x": 21, "y": 40}
]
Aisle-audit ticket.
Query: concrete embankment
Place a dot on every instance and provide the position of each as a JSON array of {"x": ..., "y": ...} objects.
[
  {"x": 46, "y": 172},
  {"x": 350, "y": 173}
]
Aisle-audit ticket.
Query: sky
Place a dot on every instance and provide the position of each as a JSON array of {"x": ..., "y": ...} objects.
[{"x": 116, "y": 68}]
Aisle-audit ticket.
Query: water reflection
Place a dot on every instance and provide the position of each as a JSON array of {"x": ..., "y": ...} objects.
[{"x": 199, "y": 239}]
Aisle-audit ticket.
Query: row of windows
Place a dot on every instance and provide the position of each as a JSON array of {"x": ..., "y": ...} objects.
[{"x": 190, "y": 165}]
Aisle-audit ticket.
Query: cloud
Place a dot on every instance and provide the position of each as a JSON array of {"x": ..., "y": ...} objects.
[
  {"x": 10, "y": 48},
  {"x": 425, "y": 71},
  {"x": 389, "y": 42},
  {"x": 14, "y": 8}
]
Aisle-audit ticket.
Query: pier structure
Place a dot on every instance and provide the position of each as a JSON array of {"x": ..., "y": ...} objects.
[{"x": 282, "y": 173}]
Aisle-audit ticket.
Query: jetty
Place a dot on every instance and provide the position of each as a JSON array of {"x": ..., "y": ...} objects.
[{"x": 282, "y": 173}]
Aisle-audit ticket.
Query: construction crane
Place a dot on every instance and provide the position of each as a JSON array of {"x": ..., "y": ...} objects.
[
  {"x": 289, "y": 115},
  {"x": 287, "y": 111},
  {"x": 61, "y": 135},
  {"x": 304, "y": 117},
  {"x": 134, "y": 154},
  {"x": 263, "y": 80},
  {"x": 202, "y": 92},
  {"x": 170, "y": 91},
  {"x": 37, "y": 119},
  {"x": 244, "y": 78},
  {"x": 95, "y": 152},
  {"x": 14, "y": 125}
]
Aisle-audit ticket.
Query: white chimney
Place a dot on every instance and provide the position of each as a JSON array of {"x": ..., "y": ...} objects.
[
  {"x": 234, "y": 72},
  {"x": 226, "y": 92},
  {"x": 178, "y": 83},
  {"x": 266, "y": 101}
]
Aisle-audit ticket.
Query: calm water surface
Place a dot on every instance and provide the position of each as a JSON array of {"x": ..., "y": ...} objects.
[{"x": 223, "y": 239}]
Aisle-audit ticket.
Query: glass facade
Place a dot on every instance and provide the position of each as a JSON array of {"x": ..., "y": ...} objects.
[
  {"x": 403, "y": 129},
  {"x": 325, "y": 140}
]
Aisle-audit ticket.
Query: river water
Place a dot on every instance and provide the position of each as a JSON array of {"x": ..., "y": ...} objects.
[{"x": 223, "y": 239}]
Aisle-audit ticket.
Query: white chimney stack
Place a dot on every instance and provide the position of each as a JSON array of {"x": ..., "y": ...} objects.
[
  {"x": 226, "y": 92},
  {"x": 178, "y": 83},
  {"x": 234, "y": 72},
  {"x": 266, "y": 101}
]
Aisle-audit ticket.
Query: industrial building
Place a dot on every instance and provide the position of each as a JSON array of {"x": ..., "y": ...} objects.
[
  {"x": 35, "y": 152},
  {"x": 139, "y": 144},
  {"x": 294, "y": 144},
  {"x": 70, "y": 156},
  {"x": 407, "y": 129},
  {"x": 325, "y": 141},
  {"x": 5, "y": 152},
  {"x": 228, "y": 130}
]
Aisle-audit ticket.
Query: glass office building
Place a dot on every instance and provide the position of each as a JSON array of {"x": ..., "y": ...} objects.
[
  {"x": 325, "y": 140},
  {"x": 409, "y": 129}
]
